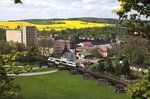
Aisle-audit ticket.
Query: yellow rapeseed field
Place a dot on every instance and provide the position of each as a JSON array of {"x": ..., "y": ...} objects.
[{"x": 68, "y": 24}]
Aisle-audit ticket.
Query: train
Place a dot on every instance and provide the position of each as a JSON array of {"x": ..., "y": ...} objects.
[{"x": 63, "y": 62}]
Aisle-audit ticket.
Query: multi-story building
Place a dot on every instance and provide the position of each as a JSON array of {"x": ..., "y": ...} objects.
[{"x": 27, "y": 35}]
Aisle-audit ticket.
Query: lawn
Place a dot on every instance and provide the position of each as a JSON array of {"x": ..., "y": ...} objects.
[{"x": 62, "y": 85}]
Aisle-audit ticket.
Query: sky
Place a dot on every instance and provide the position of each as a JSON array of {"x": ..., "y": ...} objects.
[{"x": 47, "y": 9}]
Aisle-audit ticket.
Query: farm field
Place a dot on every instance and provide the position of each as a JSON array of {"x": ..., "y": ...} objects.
[
  {"x": 62, "y": 85},
  {"x": 68, "y": 24}
]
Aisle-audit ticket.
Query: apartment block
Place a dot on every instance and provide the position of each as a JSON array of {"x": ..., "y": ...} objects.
[{"x": 27, "y": 35}]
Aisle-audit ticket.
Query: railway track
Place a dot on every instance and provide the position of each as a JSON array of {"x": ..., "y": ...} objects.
[{"x": 102, "y": 76}]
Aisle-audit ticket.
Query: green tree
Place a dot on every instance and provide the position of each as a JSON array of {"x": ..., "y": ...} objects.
[
  {"x": 8, "y": 90},
  {"x": 18, "y": 27},
  {"x": 17, "y": 1},
  {"x": 125, "y": 69},
  {"x": 109, "y": 64},
  {"x": 141, "y": 89},
  {"x": 101, "y": 66},
  {"x": 138, "y": 59},
  {"x": 139, "y": 8}
]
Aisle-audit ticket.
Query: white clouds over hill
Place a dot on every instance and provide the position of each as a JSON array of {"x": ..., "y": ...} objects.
[{"x": 57, "y": 9}]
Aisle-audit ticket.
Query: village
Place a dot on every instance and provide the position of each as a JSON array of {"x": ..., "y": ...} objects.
[{"x": 84, "y": 51}]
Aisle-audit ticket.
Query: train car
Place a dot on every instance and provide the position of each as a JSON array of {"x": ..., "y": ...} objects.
[
  {"x": 72, "y": 64},
  {"x": 57, "y": 61},
  {"x": 63, "y": 62},
  {"x": 51, "y": 59}
]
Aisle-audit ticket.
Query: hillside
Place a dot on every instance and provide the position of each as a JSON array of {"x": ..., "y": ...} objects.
[
  {"x": 84, "y": 19},
  {"x": 49, "y": 25}
]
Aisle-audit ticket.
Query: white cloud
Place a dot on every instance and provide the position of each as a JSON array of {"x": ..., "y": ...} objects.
[{"x": 57, "y": 9}]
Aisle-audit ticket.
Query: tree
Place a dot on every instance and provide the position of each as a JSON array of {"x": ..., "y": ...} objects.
[
  {"x": 109, "y": 64},
  {"x": 101, "y": 66},
  {"x": 138, "y": 59},
  {"x": 141, "y": 89},
  {"x": 17, "y": 1},
  {"x": 8, "y": 90},
  {"x": 125, "y": 70},
  {"x": 139, "y": 8},
  {"x": 33, "y": 54},
  {"x": 18, "y": 27}
]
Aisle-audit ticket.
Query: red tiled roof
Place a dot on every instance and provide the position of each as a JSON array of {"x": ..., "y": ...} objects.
[{"x": 87, "y": 43}]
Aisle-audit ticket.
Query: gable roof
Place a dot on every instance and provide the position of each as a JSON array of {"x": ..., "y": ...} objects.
[{"x": 87, "y": 43}]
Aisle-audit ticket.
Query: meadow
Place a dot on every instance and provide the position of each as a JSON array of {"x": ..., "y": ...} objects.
[
  {"x": 62, "y": 85},
  {"x": 68, "y": 24}
]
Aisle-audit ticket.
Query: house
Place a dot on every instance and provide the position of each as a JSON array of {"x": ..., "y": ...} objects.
[
  {"x": 84, "y": 55},
  {"x": 105, "y": 51},
  {"x": 68, "y": 55},
  {"x": 49, "y": 46},
  {"x": 85, "y": 44}
]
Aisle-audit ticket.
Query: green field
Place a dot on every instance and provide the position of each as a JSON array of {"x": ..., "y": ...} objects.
[{"x": 62, "y": 85}]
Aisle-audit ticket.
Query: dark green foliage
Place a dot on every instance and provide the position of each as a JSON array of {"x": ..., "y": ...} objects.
[
  {"x": 97, "y": 20},
  {"x": 125, "y": 69},
  {"x": 29, "y": 54},
  {"x": 111, "y": 32},
  {"x": 147, "y": 60},
  {"x": 138, "y": 59},
  {"x": 18, "y": 27},
  {"x": 101, "y": 66},
  {"x": 117, "y": 69},
  {"x": 2, "y": 34},
  {"x": 17, "y": 1},
  {"x": 110, "y": 67},
  {"x": 33, "y": 54},
  {"x": 7, "y": 47}
]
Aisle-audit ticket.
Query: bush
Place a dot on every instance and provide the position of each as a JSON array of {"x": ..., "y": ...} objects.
[
  {"x": 138, "y": 59},
  {"x": 147, "y": 61}
]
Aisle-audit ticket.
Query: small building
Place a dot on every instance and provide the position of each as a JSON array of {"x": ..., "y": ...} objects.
[
  {"x": 68, "y": 56},
  {"x": 105, "y": 51},
  {"x": 84, "y": 55},
  {"x": 49, "y": 46}
]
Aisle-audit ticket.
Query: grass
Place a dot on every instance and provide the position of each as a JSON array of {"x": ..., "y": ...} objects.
[{"x": 62, "y": 85}]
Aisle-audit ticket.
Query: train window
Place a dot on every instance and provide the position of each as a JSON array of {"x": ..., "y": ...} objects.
[
  {"x": 57, "y": 60},
  {"x": 70, "y": 63},
  {"x": 64, "y": 62}
]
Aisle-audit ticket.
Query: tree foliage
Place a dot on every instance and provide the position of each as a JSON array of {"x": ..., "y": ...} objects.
[
  {"x": 141, "y": 89},
  {"x": 133, "y": 10},
  {"x": 8, "y": 90},
  {"x": 17, "y": 1}
]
